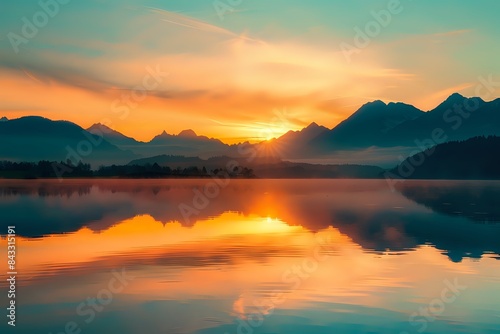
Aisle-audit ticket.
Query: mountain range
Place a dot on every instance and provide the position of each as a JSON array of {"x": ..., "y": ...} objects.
[
  {"x": 186, "y": 143},
  {"x": 34, "y": 138},
  {"x": 378, "y": 133}
]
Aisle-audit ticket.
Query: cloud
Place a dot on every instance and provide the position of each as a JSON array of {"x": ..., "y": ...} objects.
[
  {"x": 453, "y": 33},
  {"x": 215, "y": 74},
  {"x": 189, "y": 22}
]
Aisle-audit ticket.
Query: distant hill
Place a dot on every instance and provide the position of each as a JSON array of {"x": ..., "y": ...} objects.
[
  {"x": 475, "y": 158},
  {"x": 168, "y": 160},
  {"x": 36, "y": 138},
  {"x": 175, "y": 161},
  {"x": 267, "y": 167}
]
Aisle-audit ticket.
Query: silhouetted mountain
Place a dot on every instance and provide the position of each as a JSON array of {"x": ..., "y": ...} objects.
[
  {"x": 378, "y": 133},
  {"x": 369, "y": 126},
  {"x": 450, "y": 102},
  {"x": 298, "y": 137},
  {"x": 187, "y": 133},
  {"x": 36, "y": 138},
  {"x": 475, "y": 158},
  {"x": 114, "y": 137},
  {"x": 397, "y": 124},
  {"x": 4, "y": 119},
  {"x": 459, "y": 118},
  {"x": 186, "y": 143},
  {"x": 293, "y": 144}
]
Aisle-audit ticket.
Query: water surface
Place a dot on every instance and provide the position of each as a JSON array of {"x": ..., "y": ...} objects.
[{"x": 254, "y": 256}]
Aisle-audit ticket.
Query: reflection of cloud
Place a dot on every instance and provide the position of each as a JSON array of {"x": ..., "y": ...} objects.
[{"x": 239, "y": 307}]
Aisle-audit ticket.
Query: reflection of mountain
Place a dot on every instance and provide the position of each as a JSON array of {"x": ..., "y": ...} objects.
[
  {"x": 478, "y": 201},
  {"x": 390, "y": 231},
  {"x": 367, "y": 211}
]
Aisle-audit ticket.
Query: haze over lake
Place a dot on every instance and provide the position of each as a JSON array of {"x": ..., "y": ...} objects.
[{"x": 261, "y": 256}]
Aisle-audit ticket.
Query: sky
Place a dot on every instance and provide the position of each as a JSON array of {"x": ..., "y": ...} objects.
[{"x": 239, "y": 69}]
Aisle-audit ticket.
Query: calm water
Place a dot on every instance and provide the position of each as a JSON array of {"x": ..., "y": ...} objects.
[{"x": 259, "y": 256}]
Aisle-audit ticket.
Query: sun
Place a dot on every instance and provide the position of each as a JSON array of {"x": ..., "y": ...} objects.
[
  {"x": 269, "y": 136},
  {"x": 266, "y": 133}
]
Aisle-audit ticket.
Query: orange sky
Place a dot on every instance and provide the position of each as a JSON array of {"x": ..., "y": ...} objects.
[{"x": 235, "y": 79}]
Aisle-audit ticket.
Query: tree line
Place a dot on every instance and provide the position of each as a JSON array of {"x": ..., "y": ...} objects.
[{"x": 54, "y": 169}]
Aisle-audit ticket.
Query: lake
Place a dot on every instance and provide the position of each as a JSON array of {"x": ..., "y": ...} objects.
[{"x": 253, "y": 256}]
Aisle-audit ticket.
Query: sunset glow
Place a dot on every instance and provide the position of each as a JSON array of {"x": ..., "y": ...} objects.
[
  {"x": 225, "y": 78},
  {"x": 250, "y": 166}
]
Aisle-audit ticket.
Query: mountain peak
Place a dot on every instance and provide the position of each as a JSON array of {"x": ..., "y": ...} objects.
[
  {"x": 374, "y": 103},
  {"x": 455, "y": 96},
  {"x": 453, "y": 99},
  {"x": 313, "y": 125},
  {"x": 4, "y": 119},
  {"x": 187, "y": 133},
  {"x": 99, "y": 126},
  {"x": 314, "y": 128},
  {"x": 370, "y": 108}
]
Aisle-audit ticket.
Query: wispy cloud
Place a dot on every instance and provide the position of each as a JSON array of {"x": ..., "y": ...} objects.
[{"x": 192, "y": 23}]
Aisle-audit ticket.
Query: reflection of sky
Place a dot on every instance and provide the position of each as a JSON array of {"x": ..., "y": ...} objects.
[
  {"x": 204, "y": 276},
  {"x": 367, "y": 211}
]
